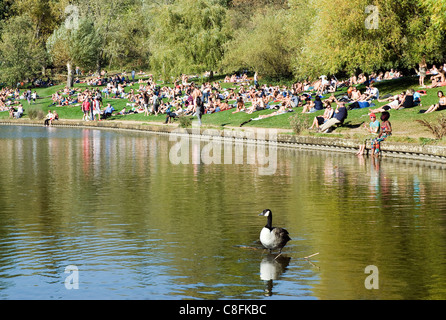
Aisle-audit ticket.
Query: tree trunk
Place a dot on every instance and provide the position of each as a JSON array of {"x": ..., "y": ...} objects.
[
  {"x": 69, "y": 75},
  {"x": 99, "y": 66}
]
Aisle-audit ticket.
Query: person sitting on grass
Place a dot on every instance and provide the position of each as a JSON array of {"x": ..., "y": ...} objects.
[
  {"x": 313, "y": 106},
  {"x": 439, "y": 80},
  {"x": 338, "y": 118},
  {"x": 441, "y": 105},
  {"x": 355, "y": 94},
  {"x": 373, "y": 129},
  {"x": 407, "y": 101},
  {"x": 320, "y": 120},
  {"x": 240, "y": 106},
  {"x": 19, "y": 112},
  {"x": 372, "y": 93},
  {"x": 385, "y": 132},
  {"x": 222, "y": 106},
  {"x": 108, "y": 112},
  {"x": 173, "y": 112},
  {"x": 257, "y": 105}
]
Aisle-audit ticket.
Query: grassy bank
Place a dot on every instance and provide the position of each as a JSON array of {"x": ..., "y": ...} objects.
[{"x": 405, "y": 126}]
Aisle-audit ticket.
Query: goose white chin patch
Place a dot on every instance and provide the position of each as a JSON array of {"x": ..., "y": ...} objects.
[{"x": 266, "y": 214}]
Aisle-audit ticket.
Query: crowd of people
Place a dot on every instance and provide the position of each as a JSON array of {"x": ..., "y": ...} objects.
[{"x": 185, "y": 97}]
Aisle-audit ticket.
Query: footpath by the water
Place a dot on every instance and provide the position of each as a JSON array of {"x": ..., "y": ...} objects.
[{"x": 429, "y": 153}]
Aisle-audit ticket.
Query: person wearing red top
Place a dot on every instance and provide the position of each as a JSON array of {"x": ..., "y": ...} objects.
[{"x": 85, "y": 109}]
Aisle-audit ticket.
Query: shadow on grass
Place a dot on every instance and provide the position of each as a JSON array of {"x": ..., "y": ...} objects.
[{"x": 350, "y": 125}]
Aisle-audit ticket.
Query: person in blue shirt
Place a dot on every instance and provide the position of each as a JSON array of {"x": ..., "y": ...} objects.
[
  {"x": 108, "y": 111},
  {"x": 373, "y": 129}
]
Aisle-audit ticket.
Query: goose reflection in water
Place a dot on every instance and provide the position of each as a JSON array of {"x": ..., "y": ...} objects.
[{"x": 271, "y": 268}]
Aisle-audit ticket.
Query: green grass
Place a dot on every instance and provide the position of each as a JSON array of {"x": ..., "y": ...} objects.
[{"x": 405, "y": 126}]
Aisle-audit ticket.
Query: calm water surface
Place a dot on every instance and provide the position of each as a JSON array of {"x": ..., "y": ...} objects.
[{"x": 137, "y": 226}]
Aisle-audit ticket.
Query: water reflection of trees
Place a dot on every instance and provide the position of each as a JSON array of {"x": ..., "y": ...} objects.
[
  {"x": 355, "y": 212},
  {"x": 385, "y": 212}
]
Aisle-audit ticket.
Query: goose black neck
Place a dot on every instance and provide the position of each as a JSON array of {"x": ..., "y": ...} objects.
[{"x": 269, "y": 222}]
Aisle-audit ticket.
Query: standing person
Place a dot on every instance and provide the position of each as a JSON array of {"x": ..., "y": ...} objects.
[
  {"x": 91, "y": 108},
  {"x": 206, "y": 89},
  {"x": 385, "y": 132},
  {"x": 28, "y": 96},
  {"x": 146, "y": 99},
  {"x": 99, "y": 97},
  {"x": 373, "y": 129},
  {"x": 198, "y": 102},
  {"x": 156, "y": 103},
  {"x": 85, "y": 109},
  {"x": 34, "y": 96},
  {"x": 133, "y": 75},
  {"x": 422, "y": 71},
  {"x": 256, "y": 79},
  {"x": 96, "y": 110}
]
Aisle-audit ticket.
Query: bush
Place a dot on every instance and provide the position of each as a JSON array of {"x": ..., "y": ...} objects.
[
  {"x": 438, "y": 129},
  {"x": 32, "y": 114},
  {"x": 40, "y": 115},
  {"x": 184, "y": 121},
  {"x": 298, "y": 123}
]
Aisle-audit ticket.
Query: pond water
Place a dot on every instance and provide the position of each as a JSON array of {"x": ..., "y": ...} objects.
[{"x": 103, "y": 214}]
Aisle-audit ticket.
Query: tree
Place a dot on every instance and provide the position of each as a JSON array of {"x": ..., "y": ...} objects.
[
  {"x": 188, "y": 37},
  {"x": 108, "y": 17},
  {"x": 20, "y": 52},
  {"x": 340, "y": 38},
  {"x": 128, "y": 43},
  {"x": 5, "y": 9},
  {"x": 44, "y": 16},
  {"x": 79, "y": 46},
  {"x": 263, "y": 46},
  {"x": 42, "y": 13}
]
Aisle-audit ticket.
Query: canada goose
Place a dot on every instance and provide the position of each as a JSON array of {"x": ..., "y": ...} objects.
[{"x": 273, "y": 238}]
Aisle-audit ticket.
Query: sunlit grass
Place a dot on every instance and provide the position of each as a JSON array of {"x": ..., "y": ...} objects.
[{"x": 403, "y": 121}]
